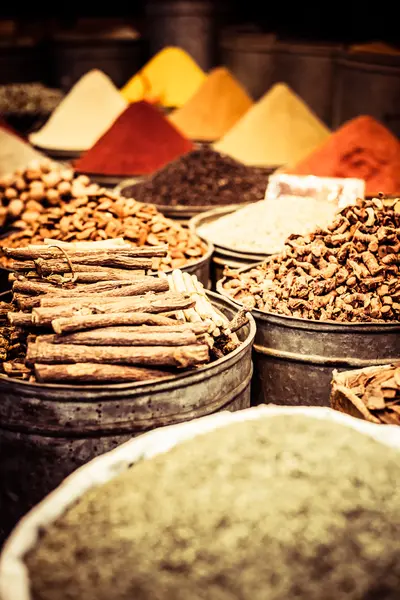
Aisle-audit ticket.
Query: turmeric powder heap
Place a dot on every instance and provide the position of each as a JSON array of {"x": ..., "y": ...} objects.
[
  {"x": 216, "y": 106},
  {"x": 361, "y": 148},
  {"x": 345, "y": 272},
  {"x": 278, "y": 129},
  {"x": 170, "y": 78}
]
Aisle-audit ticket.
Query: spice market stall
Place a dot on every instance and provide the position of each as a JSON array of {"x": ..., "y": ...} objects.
[
  {"x": 330, "y": 300},
  {"x": 89, "y": 363}
]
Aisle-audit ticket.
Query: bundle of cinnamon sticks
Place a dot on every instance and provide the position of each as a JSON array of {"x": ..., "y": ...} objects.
[{"x": 114, "y": 324}]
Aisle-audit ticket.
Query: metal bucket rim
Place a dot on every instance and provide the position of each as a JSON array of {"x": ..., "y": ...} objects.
[
  {"x": 196, "y": 222},
  {"x": 298, "y": 323},
  {"x": 164, "y": 384},
  {"x": 368, "y": 59}
]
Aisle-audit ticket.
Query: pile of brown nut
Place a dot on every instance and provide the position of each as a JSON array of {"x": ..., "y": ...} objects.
[
  {"x": 348, "y": 272},
  {"x": 45, "y": 201}
]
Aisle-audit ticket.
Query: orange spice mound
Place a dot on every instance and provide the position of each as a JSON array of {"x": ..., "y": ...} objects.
[{"x": 362, "y": 148}]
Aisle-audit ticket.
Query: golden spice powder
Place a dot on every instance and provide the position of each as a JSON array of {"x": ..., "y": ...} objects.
[
  {"x": 216, "y": 106},
  {"x": 170, "y": 78},
  {"x": 279, "y": 129}
]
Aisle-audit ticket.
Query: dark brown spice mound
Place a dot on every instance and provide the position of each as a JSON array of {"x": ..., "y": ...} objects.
[
  {"x": 347, "y": 272},
  {"x": 202, "y": 178},
  {"x": 284, "y": 507}
]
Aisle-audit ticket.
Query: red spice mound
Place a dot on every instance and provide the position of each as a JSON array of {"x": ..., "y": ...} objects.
[
  {"x": 140, "y": 141},
  {"x": 362, "y": 148}
]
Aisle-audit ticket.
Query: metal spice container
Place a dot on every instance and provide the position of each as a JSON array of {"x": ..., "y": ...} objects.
[
  {"x": 311, "y": 321},
  {"x": 48, "y": 430},
  {"x": 222, "y": 256}
]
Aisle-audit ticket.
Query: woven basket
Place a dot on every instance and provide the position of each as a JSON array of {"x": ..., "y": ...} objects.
[
  {"x": 14, "y": 577},
  {"x": 345, "y": 400}
]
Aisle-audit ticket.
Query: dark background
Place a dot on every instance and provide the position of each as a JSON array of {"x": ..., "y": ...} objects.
[{"x": 343, "y": 21}]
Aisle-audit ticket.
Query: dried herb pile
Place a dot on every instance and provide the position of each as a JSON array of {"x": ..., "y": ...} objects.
[
  {"x": 346, "y": 272},
  {"x": 282, "y": 507},
  {"x": 202, "y": 178},
  {"x": 45, "y": 201},
  {"x": 95, "y": 316},
  {"x": 377, "y": 388}
]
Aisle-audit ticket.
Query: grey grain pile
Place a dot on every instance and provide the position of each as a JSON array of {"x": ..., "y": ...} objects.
[{"x": 275, "y": 509}]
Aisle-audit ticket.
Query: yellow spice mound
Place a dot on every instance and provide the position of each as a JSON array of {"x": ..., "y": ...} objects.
[
  {"x": 216, "y": 106},
  {"x": 170, "y": 78},
  {"x": 279, "y": 129}
]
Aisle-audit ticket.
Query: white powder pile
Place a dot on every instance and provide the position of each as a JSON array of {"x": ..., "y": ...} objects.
[
  {"x": 264, "y": 226},
  {"x": 90, "y": 108},
  {"x": 15, "y": 153}
]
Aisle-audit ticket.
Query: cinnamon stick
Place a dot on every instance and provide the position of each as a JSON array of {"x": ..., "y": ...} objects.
[
  {"x": 96, "y": 276},
  {"x": 60, "y": 266},
  {"x": 172, "y": 356},
  {"x": 20, "y": 319},
  {"x": 164, "y": 302},
  {"x": 146, "y": 322},
  {"x": 82, "y": 322},
  {"x": 124, "y": 336},
  {"x": 100, "y": 256},
  {"x": 43, "y": 316},
  {"x": 95, "y": 373},
  {"x": 106, "y": 288},
  {"x": 50, "y": 266},
  {"x": 27, "y": 302}
]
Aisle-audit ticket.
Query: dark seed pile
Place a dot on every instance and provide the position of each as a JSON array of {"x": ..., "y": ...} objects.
[
  {"x": 23, "y": 101},
  {"x": 279, "y": 508},
  {"x": 202, "y": 178}
]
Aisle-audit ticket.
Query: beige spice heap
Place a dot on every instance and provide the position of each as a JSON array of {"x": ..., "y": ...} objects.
[
  {"x": 271, "y": 509},
  {"x": 45, "y": 201},
  {"x": 81, "y": 118},
  {"x": 346, "y": 272}
]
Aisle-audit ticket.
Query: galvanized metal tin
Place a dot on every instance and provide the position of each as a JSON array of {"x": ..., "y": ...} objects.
[
  {"x": 48, "y": 430},
  {"x": 223, "y": 256},
  {"x": 294, "y": 358}
]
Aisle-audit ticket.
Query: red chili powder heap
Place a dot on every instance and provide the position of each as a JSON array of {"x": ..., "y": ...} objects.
[
  {"x": 140, "y": 141},
  {"x": 362, "y": 148}
]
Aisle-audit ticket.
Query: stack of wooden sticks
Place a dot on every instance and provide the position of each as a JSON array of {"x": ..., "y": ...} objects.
[{"x": 112, "y": 323}]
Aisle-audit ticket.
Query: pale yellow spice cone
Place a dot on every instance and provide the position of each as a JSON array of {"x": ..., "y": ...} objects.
[{"x": 279, "y": 129}]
